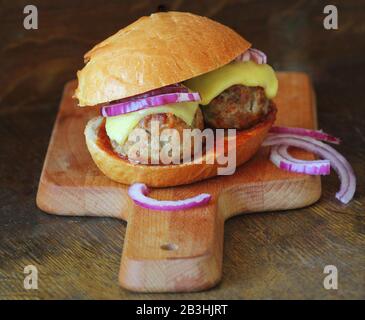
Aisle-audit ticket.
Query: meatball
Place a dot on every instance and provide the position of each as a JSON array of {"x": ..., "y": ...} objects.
[
  {"x": 164, "y": 121},
  {"x": 238, "y": 107}
]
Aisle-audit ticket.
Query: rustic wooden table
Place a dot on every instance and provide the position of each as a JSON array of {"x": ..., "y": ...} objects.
[{"x": 268, "y": 255}]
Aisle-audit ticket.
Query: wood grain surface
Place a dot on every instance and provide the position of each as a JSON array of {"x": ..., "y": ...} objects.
[
  {"x": 175, "y": 251},
  {"x": 266, "y": 256}
]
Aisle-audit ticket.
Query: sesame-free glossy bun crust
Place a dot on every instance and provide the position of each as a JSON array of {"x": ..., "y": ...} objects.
[
  {"x": 121, "y": 170},
  {"x": 155, "y": 51}
]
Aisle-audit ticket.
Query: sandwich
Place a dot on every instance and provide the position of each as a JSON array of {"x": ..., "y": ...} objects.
[{"x": 173, "y": 71}]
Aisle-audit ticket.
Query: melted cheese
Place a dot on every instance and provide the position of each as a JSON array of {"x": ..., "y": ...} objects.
[
  {"x": 250, "y": 74},
  {"x": 119, "y": 127}
]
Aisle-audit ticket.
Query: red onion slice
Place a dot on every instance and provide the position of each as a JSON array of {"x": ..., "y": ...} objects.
[
  {"x": 316, "y": 134},
  {"x": 253, "y": 54},
  {"x": 282, "y": 159},
  {"x": 139, "y": 191},
  {"x": 338, "y": 162},
  {"x": 259, "y": 55},
  {"x": 152, "y": 101},
  {"x": 172, "y": 88},
  {"x": 244, "y": 57},
  {"x": 256, "y": 57}
]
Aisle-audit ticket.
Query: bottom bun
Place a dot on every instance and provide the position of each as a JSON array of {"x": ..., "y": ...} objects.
[{"x": 121, "y": 170}]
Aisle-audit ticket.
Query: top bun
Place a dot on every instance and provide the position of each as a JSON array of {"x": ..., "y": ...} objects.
[{"x": 155, "y": 51}]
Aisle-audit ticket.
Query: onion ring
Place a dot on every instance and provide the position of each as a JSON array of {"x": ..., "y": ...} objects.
[
  {"x": 151, "y": 101},
  {"x": 172, "y": 88},
  {"x": 252, "y": 54},
  {"x": 316, "y": 134},
  {"x": 338, "y": 162},
  {"x": 139, "y": 191},
  {"x": 282, "y": 159}
]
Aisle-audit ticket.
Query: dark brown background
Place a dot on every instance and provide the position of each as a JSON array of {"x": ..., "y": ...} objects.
[{"x": 270, "y": 255}]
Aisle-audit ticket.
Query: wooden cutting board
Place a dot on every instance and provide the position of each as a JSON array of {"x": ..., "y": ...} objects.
[{"x": 181, "y": 250}]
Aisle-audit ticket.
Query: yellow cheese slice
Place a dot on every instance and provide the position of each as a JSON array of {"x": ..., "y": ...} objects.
[
  {"x": 250, "y": 74},
  {"x": 119, "y": 127}
]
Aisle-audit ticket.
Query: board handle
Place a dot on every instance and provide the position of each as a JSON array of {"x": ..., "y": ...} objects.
[{"x": 172, "y": 251}]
